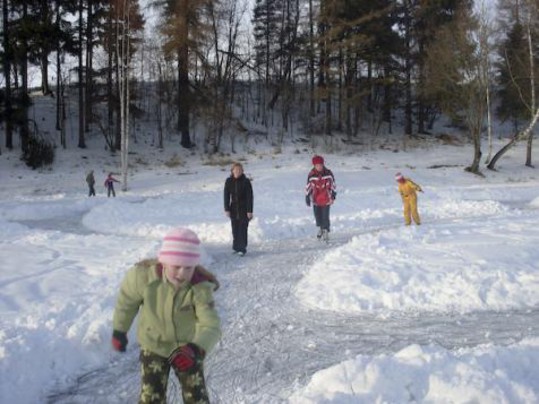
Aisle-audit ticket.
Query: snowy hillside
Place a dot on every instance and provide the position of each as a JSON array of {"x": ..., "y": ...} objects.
[{"x": 447, "y": 312}]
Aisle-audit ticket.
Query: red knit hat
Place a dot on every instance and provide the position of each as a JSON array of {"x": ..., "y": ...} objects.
[
  {"x": 181, "y": 247},
  {"x": 318, "y": 160},
  {"x": 399, "y": 177}
]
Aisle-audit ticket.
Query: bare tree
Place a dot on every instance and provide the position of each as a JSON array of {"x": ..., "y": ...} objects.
[
  {"x": 82, "y": 110},
  {"x": 533, "y": 16},
  {"x": 7, "y": 73},
  {"x": 123, "y": 61},
  {"x": 518, "y": 137},
  {"x": 484, "y": 37},
  {"x": 521, "y": 73}
]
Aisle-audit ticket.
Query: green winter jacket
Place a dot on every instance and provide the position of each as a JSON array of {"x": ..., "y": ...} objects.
[{"x": 168, "y": 317}]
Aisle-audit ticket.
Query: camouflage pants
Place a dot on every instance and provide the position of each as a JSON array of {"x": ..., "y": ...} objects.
[{"x": 155, "y": 370}]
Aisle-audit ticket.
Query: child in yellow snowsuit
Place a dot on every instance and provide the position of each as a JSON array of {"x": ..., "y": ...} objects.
[{"x": 407, "y": 189}]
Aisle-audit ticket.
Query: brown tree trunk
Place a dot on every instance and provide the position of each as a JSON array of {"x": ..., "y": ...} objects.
[
  {"x": 24, "y": 130},
  {"x": 82, "y": 142},
  {"x": 474, "y": 167},
  {"x": 45, "y": 74},
  {"x": 7, "y": 75},
  {"x": 183, "y": 75},
  {"x": 110, "y": 92},
  {"x": 89, "y": 67},
  {"x": 408, "y": 72}
]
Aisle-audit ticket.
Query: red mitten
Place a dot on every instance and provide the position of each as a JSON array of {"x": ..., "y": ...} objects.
[
  {"x": 186, "y": 357},
  {"x": 119, "y": 340}
]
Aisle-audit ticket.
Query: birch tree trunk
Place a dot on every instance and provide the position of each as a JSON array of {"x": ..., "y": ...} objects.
[
  {"x": 82, "y": 142},
  {"x": 485, "y": 32},
  {"x": 522, "y": 135},
  {"x": 532, "y": 85},
  {"x": 123, "y": 60},
  {"x": 7, "y": 74}
]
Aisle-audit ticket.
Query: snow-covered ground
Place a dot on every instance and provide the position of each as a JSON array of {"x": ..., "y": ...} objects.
[{"x": 447, "y": 312}]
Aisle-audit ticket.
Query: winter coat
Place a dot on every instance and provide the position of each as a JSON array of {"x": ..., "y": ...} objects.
[
  {"x": 408, "y": 189},
  {"x": 109, "y": 182},
  {"x": 90, "y": 179},
  {"x": 168, "y": 317},
  {"x": 321, "y": 186},
  {"x": 238, "y": 197}
]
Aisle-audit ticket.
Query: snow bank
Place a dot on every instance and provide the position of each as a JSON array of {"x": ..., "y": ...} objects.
[{"x": 484, "y": 374}]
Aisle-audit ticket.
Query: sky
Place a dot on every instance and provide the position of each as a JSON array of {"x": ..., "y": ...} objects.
[{"x": 445, "y": 312}]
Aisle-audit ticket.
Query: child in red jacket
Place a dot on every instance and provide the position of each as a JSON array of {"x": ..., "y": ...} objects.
[{"x": 321, "y": 191}]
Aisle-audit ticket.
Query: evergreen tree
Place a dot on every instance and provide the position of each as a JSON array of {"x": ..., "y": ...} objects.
[
  {"x": 419, "y": 22},
  {"x": 514, "y": 71},
  {"x": 6, "y": 98},
  {"x": 454, "y": 77},
  {"x": 357, "y": 52},
  {"x": 185, "y": 31},
  {"x": 266, "y": 35}
]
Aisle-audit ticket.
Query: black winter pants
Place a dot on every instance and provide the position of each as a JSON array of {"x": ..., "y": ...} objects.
[
  {"x": 239, "y": 234},
  {"x": 321, "y": 214}
]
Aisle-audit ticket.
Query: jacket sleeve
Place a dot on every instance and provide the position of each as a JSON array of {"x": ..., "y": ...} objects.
[
  {"x": 129, "y": 300},
  {"x": 249, "y": 197},
  {"x": 208, "y": 324},
  {"x": 333, "y": 186},
  {"x": 226, "y": 195},
  {"x": 416, "y": 186},
  {"x": 308, "y": 187}
]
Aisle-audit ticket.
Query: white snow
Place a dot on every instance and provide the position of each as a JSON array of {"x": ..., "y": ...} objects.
[
  {"x": 418, "y": 374},
  {"x": 63, "y": 255}
]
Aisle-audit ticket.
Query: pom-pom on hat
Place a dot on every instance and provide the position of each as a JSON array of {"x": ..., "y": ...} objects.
[
  {"x": 399, "y": 177},
  {"x": 181, "y": 247},
  {"x": 318, "y": 160}
]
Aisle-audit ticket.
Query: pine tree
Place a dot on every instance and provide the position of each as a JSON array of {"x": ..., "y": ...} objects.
[
  {"x": 265, "y": 19},
  {"x": 514, "y": 88},
  {"x": 184, "y": 31}
]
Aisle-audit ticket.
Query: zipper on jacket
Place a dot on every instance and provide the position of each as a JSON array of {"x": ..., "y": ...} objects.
[{"x": 237, "y": 199}]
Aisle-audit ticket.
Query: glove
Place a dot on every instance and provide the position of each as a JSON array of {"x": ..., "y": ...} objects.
[
  {"x": 307, "y": 200},
  {"x": 119, "y": 340},
  {"x": 186, "y": 357},
  {"x": 333, "y": 195}
]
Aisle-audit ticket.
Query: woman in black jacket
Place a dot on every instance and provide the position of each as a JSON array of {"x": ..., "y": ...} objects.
[{"x": 238, "y": 196}]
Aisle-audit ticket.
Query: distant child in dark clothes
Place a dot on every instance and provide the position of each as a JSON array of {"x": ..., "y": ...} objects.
[
  {"x": 238, "y": 199},
  {"x": 90, "y": 180},
  {"x": 109, "y": 184}
]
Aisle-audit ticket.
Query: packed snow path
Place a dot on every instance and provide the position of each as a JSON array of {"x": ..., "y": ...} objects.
[{"x": 271, "y": 344}]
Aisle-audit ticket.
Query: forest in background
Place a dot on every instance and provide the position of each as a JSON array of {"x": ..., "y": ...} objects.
[{"x": 330, "y": 68}]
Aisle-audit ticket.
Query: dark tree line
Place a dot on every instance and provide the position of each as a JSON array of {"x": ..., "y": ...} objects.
[{"x": 322, "y": 67}]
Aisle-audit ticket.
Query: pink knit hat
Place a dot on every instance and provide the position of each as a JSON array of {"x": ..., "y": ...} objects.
[
  {"x": 399, "y": 177},
  {"x": 181, "y": 247}
]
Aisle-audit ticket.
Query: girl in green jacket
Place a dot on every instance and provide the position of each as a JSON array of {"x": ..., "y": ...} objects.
[{"x": 178, "y": 323}]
